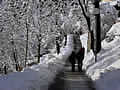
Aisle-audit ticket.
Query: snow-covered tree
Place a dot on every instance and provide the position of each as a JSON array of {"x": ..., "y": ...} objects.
[{"x": 28, "y": 28}]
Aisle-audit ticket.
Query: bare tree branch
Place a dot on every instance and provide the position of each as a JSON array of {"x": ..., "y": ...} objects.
[{"x": 85, "y": 14}]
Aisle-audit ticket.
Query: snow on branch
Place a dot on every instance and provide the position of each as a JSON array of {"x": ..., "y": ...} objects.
[{"x": 38, "y": 77}]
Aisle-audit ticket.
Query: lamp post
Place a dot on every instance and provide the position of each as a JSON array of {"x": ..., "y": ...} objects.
[
  {"x": 94, "y": 11},
  {"x": 98, "y": 27}
]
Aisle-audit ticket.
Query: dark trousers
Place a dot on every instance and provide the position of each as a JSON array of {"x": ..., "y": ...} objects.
[
  {"x": 79, "y": 61},
  {"x": 72, "y": 60},
  {"x": 76, "y": 58}
]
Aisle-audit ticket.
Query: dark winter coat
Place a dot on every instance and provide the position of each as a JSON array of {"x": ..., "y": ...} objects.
[
  {"x": 77, "y": 43},
  {"x": 78, "y": 52}
]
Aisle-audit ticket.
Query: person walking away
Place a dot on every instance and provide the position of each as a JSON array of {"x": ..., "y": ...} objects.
[
  {"x": 78, "y": 53},
  {"x": 57, "y": 45},
  {"x": 77, "y": 50},
  {"x": 80, "y": 57}
]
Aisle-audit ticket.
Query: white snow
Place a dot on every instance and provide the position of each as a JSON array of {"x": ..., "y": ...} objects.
[
  {"x": 110, "y": 81},
  {"x": 84, "y": 39},
  {"x": 38, "y": 77},
  {"x": 105, "y": 72}
]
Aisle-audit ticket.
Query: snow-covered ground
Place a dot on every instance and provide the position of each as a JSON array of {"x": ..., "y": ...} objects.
[
  {"x": 38, "y": 77},
  {"x": 105, "y": 72}
]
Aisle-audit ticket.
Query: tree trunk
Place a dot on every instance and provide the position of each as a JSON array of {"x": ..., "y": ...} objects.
[
  {"x": 85, "y": 14},
  {"x": 27, "y": 35},
  {"x": 15, "y": 58},
  {"x": 90, "y": 41},
  {"x": 15, "y": 55},
  {"x": 57, "y": 47},
  {"x": 39, "y": 51},
  {"x": 97, "y": 34},
  {"x": 39, "y": 45},
  {"x": 5, "y": 69},
  {"x": 65, "y": 39}
]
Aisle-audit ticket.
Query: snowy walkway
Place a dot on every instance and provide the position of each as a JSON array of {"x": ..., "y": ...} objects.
[{"x": 68, "y": 80}]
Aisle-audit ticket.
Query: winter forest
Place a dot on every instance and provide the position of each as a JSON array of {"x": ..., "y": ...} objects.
[
  {"x": 30, "y": 31},
  {"x": 28, "y": 28}
]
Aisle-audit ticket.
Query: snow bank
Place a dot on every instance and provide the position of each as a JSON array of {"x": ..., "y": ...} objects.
[
  {"x": 105, "y": 72},
  {"x": 38, "y": 77},
  {"x": 110, "y": 81},
  {"x": 84, "y": 39},
  {"x": 108, "y": 58}
]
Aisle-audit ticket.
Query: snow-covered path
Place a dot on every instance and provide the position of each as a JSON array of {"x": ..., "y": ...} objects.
[{"x": 68, "y": 80}]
